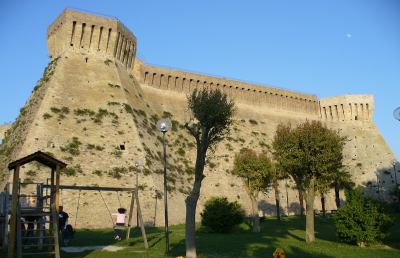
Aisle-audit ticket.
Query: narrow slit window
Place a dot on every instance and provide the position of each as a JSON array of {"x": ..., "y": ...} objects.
[
  {"x": 100, "y": 34},
  {"x": 82, "y": 34},
  {"x": 116, "y": 44},
  {"x": 72, "y": 33},
  {"x": 91, "y": 36},
  {"x": 108, "y": 38}
]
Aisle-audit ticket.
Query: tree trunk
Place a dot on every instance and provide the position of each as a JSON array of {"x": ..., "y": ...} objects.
[
  {"x": 323, "y": 205},
  {"x": 191, "y": 203},
  {"x": 256, "y": 218},
  {"x": 301, "y": 202},
  {"x": 277, "y": 202},
  {"x": 190, "y": 227},
  {"x": 337, "y": 197},
  {"x": 310, "y": 196}
]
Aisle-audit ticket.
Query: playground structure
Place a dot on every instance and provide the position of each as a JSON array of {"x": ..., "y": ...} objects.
[{"x": 42, "y": 209}]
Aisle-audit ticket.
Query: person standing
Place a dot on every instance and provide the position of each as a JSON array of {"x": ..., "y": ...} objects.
[{"x": 62, "y": 218}]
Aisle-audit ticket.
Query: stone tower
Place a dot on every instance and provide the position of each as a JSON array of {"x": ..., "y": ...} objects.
[{"x": 87, "y": 34}]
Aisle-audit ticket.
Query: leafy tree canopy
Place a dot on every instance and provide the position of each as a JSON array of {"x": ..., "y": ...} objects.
[
  {"x": 256, "y": 170},
  {"x": 309, "y": 151},
  {"x": 212, "y": 112}
]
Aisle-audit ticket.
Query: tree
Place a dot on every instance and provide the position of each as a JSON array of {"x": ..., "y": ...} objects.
[
  {"x": 310, "y": 153},
  {"x": 212, "y": 116},
  {"x": 284, "y": 140},
  {"x": 256, "y": 173},
  {"x": 342, "y": 180},
  {"x": 277, "y": 174},
  {"x": 220, "y": 216},
  {"x": 361, "y": 221}
]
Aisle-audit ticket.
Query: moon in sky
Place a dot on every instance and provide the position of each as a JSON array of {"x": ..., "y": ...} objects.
[{"x": 348, "y": 35}]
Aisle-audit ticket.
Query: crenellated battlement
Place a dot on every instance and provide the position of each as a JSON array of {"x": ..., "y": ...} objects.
[
  {"x": 347, "y": 108},
  {"x": 273, "y": 98},
  {"x": 91, "y": 34},
  {"x": 87, "y": 34}
]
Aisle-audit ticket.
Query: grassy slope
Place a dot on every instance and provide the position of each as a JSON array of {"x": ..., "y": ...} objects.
[{"x": 288, "y": 234}]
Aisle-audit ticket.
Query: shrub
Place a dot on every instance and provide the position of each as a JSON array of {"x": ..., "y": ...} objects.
[
  {"x": 46, "y": 116},
  {"x": 114, "y": 85},
  {"x": 98, "y": 172},
  {"x": 175, "y": 125},
  {"x": 90, "y": 146},
  {"x": 71, "y": 171},
  {"x": 128, "y": 108},
  {"x": 361, "y": 221},
  {"x": 253, "y": 122},
  {"x": 117, "y": 152},
  {"x": 117, "y": 172},
  {"x": 220, "y": 215},
  {"x": 167, "y": 114},
  {"x": 140, "y": 112},
  {"x": 84, "y": 112},
  {"x": 113, "y": 103},
  {"x": 61, "y": 112},
  {"x": 72, "y": 147},
  {"x": 31, "y": 173},
  {"x": 180, "y": 152},
  {"x": 99, "y": 148}
]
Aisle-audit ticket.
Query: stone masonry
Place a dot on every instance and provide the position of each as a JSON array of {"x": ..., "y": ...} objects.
[{"x": 96, "y": 107}]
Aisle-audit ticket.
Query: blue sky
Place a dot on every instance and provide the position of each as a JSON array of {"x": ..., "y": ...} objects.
[{"x": 326, "y": 48}]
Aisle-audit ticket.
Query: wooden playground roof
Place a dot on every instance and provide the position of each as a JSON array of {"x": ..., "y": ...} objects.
[{"x": 38, "y": 156}]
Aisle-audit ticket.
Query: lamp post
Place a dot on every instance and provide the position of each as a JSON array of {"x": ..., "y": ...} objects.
[
  {"x": 164, "y": 125},
  {"x": 138, "y": 166},
  {"x": 287, "y": 197},
  {"x": 395, "y": 174},
  {"x": 378, "y": 186}
]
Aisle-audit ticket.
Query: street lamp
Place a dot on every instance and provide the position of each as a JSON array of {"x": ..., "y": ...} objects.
[
  {"x": 396, "y": 113},
  {"x": 378, "y": 186},
  {"x": 395, "y": 174},
  {"x": 164, "y": 125},
  {"x": 138, "y": 166},
  {"x": 287, "y": 197}
]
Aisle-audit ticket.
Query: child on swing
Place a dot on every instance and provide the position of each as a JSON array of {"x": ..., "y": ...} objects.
[{"x": 119, "y": 223}]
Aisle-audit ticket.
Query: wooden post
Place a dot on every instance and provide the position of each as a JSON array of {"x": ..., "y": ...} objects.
[
  {"x": 14, "y": 203},
  {"x": 55, "y": 210},
  {"x": 53, "y": 220},
  {"x": 52, "y": 190},
  {"x": 40, "y": 224},
  {"x": 19, "y": 233},
  {"x": 55, "y": 230},
  {"x": 57, "y": 188},
  {"x": 6, "y": 201},
  {"x": 146, "y": 245},
  {"x": 128, "y": 231}
]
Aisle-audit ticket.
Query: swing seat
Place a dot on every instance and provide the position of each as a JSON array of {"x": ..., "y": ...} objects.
[{"x": 119, "y": 227}]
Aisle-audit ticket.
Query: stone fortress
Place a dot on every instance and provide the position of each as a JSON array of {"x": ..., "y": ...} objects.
[{"x": 96, "y": 107}]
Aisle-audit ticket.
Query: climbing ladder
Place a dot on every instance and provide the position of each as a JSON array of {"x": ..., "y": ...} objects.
[
  {"x": 43, "y": 241},
  {"x": 27, "y": 244}
]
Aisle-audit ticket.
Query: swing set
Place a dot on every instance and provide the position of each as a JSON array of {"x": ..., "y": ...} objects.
[
  {"x": 46, "y": 208},
  {"x": 99, "y": 189}
]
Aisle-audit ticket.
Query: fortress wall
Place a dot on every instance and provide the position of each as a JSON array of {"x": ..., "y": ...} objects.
[
  {"x": 89, "y": 34},
  {"x": 278, "y": 99},
  {"x": 347, "y": 108}
]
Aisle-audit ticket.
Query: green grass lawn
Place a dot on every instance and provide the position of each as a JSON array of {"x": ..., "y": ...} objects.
[{"x": 288, "y": 234}]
